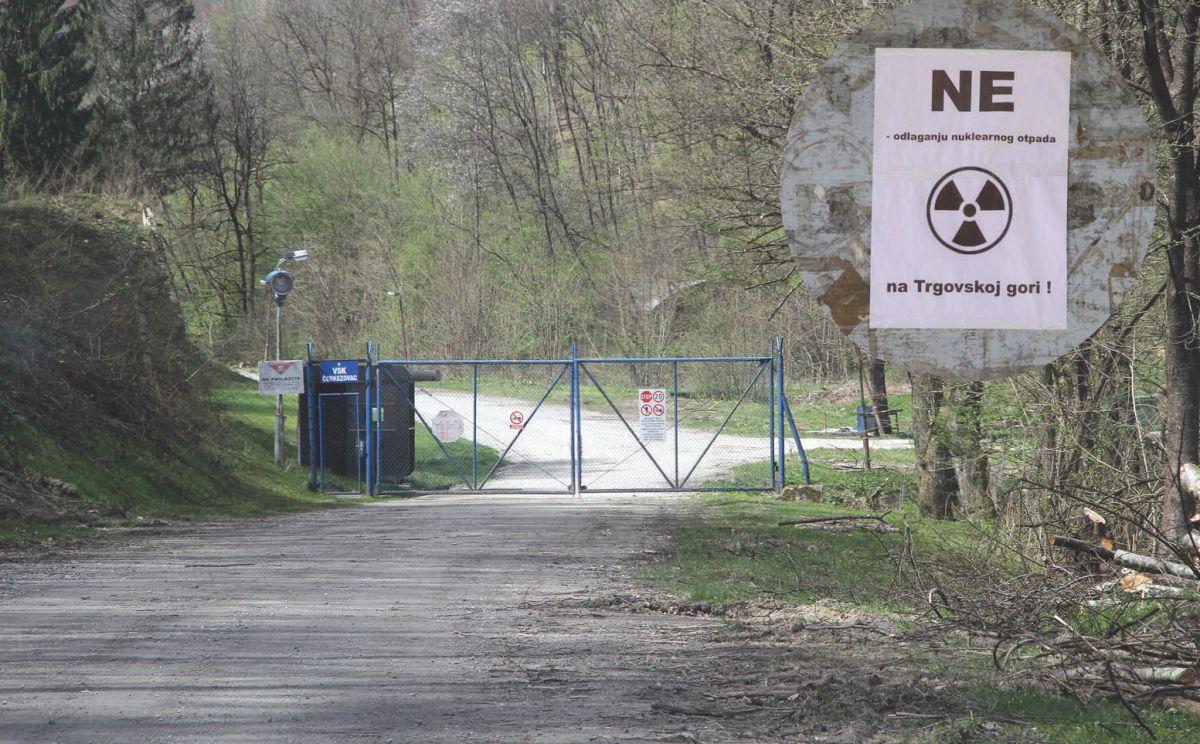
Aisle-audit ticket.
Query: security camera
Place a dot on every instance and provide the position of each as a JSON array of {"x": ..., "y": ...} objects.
[{"x": 298, "y": 256}]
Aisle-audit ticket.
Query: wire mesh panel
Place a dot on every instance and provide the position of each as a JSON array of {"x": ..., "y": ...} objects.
[
  {"x": 539, "y": 426},
  {"x": 340, "y": 435},
  {"x": 676, "y": 424},
  {"x": 474, "y": 425}
]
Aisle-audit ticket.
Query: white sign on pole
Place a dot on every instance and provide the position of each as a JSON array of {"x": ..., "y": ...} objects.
[
  {"x": 281, "y": 377},
  {"x": 447, "y": 426},
  {"x": 969, "y": 189},
  {"x": 652, "y": 414}
]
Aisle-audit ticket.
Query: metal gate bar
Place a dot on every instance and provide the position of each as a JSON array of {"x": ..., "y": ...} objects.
[{"x": 764, "y": 362}]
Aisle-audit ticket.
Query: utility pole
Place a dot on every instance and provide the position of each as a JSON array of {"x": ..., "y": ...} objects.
[
  {"x": 280, "y": 283},
  {"x": 280, "y": 455}
]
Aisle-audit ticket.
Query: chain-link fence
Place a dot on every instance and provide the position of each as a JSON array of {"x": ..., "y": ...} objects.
[
  {"x": 477, "y": 425},
  {"x": 565, "y": 425},
  {"x": 679, "y": 424}
]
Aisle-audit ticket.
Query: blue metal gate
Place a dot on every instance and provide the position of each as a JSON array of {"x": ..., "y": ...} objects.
[{"x": 572, "y": 425}]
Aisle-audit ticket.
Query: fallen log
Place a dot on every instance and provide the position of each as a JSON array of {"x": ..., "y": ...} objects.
[
  {"x": 844, "y": 518},
  {"x": 1143, "y": 563},
  {"x": 1141, "y": 675}
]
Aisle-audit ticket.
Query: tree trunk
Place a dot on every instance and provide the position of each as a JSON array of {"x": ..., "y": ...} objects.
[
  {"x": 1182, "y": 384},
  {"x": 877, "y": 384},
  {"x": 1169, "y": 62},
  {"x": 937, "y": 485},
  {"x": 967, "y": 420}
]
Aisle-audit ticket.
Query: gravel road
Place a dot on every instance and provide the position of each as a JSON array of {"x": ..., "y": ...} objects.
[{"x": 439, "y": 619}]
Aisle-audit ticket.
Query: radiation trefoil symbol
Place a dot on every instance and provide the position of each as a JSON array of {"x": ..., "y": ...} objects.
[{"x": 969, "y": 210}]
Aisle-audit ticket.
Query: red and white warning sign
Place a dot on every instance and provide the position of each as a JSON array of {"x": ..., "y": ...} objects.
[
  {"x": 516, "y": 420},
  {"x": 281, "y": 377},
  {"x": 652, "y": 415}
]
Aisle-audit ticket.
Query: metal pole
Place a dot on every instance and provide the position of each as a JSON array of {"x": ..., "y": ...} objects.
[
  {"x": 577, "y": 418},
  {"x": 377, "y": 429},
  {"x": 280, "y": 456},
  {"x": 675, "y": 404},
  {"x": 779, "y": 405},
  {"x": 366, "y": 433},
  {"x": 310, "y": 395},
  {"x": 862, "y": 415},
  {"x": 773, "y": 399},
  {"x": 571, "y": 423},
  {"x": 474, "y": 427}
]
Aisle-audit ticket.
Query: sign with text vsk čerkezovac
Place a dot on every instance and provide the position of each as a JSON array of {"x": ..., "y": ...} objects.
[{"x": 969, "y": 189}]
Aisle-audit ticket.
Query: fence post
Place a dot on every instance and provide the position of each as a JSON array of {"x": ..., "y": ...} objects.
[
  {"x": 675, "y": 405},
  {"x": 576, "y": 424},
  {"x": 773, "y": 403},
  {"x": 377, "y": 439},
  {"x": 474, "y": 427},
  {"x": 779, "y": 405},
  {"x": 311, "y": 396},
  {"x": 366, "y": 433}
]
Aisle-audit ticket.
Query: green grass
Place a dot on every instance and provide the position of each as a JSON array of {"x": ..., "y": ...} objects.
[
  {"x": 24, "y": 532},
  {"x": 736, "y": 552},
  {"x": 450, "y": 465},
  {"x": 1056, "y": 718},
  {"x": 225, "y": 472}
]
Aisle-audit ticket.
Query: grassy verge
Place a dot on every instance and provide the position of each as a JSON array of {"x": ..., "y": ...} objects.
[
  {"x": 24, "y": 532},
  {"x": 226, "y": 473},
  {"x": 737, "y": 552}
]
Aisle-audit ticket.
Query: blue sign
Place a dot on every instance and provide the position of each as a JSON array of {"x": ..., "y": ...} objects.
[{"x": 343, "y": 371}]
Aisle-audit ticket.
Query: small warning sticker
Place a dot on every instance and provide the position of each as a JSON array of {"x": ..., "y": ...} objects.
[{"x": 652, "y": 415}]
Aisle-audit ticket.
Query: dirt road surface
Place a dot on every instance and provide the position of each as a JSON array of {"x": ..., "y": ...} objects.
[{"x": 440, "y": 619}]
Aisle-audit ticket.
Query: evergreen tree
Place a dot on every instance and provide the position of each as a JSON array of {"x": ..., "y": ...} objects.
[
  {"x": 44, "y": 78},
  {"x": 153, "y": 101}
]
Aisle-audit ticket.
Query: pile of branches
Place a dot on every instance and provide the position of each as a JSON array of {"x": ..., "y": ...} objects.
[{"x": 1080, "y": 613}]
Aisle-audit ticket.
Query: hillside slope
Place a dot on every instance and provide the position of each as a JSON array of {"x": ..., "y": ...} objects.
[{"x": 102, "y": 414}]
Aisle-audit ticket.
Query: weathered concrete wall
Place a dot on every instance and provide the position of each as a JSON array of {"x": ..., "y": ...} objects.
[{"x": 826, "y": 187}]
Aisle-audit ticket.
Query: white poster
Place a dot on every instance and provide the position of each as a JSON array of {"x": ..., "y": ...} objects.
[
  {"x": 969, "y": 189},
  {"x": 652, "y": 414}
]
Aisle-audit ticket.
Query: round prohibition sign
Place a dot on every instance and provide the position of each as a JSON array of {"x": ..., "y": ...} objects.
[
  {"x": 516, "y": 417},
  {"x": 659, "y": 410},
  {"x": 659, "y": 396},
  {"x": 969, "y": 210}
]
